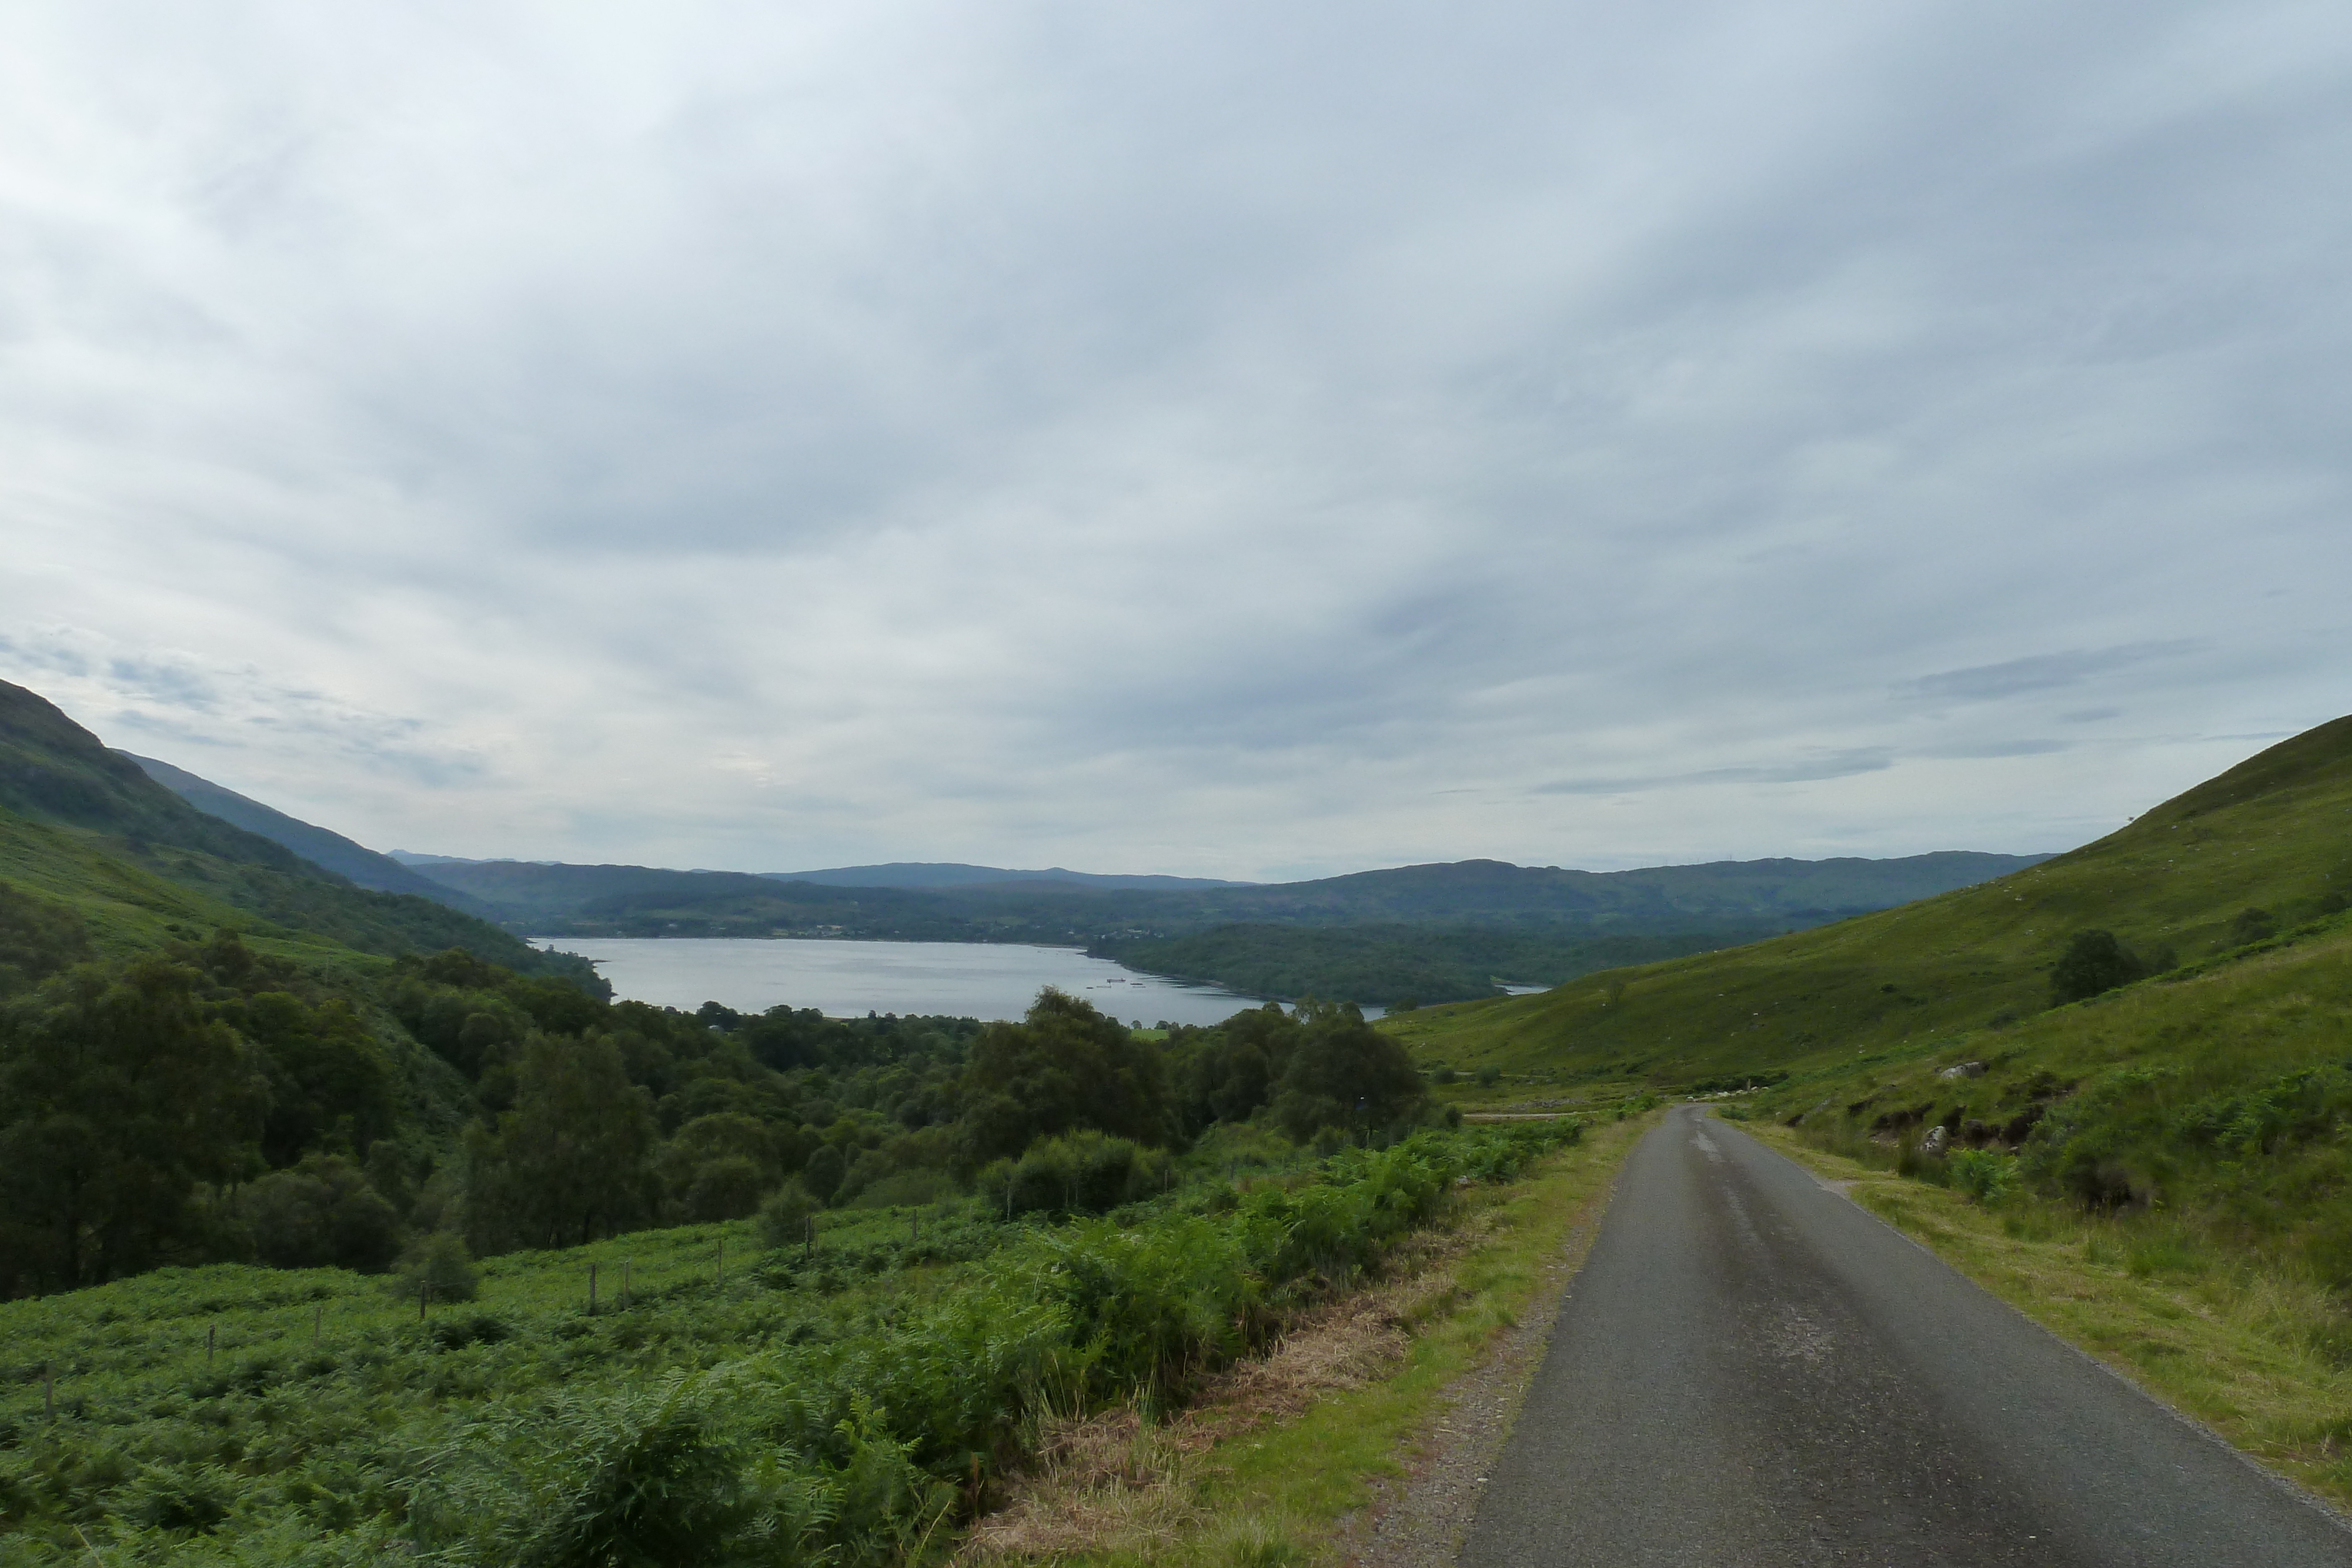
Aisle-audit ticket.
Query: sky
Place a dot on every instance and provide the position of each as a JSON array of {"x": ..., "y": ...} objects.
[{"x": 1218, "y": 439}]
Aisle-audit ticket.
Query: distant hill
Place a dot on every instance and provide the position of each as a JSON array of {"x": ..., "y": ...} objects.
[
  {"x": 321, "y": 846},
  {"x": 948, "y": 873},
  {"x": 647, "y": 900},
  {"x": 1704, "y": 905},
  {"x": 1486, "y": 890}
]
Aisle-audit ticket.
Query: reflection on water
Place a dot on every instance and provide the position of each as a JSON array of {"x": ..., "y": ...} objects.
[{"x": 850, "y": 979}]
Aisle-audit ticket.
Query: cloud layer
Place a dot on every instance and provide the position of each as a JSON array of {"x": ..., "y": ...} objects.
[{"x": 1193, "y": 439}]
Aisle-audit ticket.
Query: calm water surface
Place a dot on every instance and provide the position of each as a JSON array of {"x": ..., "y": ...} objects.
[{"x": 850, "y": 979}]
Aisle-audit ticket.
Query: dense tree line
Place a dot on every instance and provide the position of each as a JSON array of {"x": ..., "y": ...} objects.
[{"x": 209, "y": 1102}]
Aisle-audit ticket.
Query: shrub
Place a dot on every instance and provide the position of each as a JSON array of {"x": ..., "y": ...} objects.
[
  {"x": 1982, "y": 1174},
  {"x": 784, "y": 1217},
  {"x": 2252, "y": 925},
  {"x": 439, "y": 1262},
  {"x": 1082, "y": 1173},
  {"x": 2093, "y": 962}
]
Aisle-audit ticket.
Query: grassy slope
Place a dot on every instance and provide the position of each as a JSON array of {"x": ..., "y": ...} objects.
[
  {"x": 127, "y": 908},
  {"x": 2274, "y": 832}
]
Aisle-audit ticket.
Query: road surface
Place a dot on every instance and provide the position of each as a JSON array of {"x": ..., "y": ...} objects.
[{"x": 1751, "y": 1371}]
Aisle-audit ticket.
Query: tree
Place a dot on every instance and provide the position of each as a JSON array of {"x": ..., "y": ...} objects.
[
  {"x": 1063, "y": 1066},
  {"x": 1344, "y": 1074},
  {"x": 570, "y": 1161},
  {"x": 2093, "y": 962},
  {"x": 118, "y": 1097},
  {"x": 822, "y": 1173},
  {"x": 323, "y": 1213},
  {"x": 329, "y": 1080}
]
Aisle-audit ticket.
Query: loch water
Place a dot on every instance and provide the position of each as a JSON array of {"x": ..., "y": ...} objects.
[{"x": 850, "y": 979}]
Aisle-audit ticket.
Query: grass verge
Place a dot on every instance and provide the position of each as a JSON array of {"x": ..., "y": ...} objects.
[
  {"x": 2256, "y": 1355},
  {"x": 1268, "y": 1466}
]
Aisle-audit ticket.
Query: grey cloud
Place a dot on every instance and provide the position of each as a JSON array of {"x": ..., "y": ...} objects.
[
  {"x": 1991, "y": 748},
  {"x": 2037, "y": 673},
  {"x": 1844, "y": 765},
  {"x": 906, "y": 430}
]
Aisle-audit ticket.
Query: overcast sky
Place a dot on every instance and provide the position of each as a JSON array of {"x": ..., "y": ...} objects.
[{"x": 1218, "y": 439}]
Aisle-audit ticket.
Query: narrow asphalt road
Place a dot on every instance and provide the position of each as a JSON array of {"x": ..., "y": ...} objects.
[{"x": 1751, "y": 1371}]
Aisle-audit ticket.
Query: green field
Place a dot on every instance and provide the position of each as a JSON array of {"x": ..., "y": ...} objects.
[{"x": 846, "y": 1405}]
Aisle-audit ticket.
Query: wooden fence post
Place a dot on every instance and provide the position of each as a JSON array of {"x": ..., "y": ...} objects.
[{"x": 591, "y": 1290}]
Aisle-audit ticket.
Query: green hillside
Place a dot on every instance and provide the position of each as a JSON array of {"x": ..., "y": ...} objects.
[
  {"x": 1389, "y": 963},
  {"x": 87, "y": 827},
  {"x": 2274, "y": 834}
]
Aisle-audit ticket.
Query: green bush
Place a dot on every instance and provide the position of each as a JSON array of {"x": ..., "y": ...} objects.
[
  {"x": 2093, "y": 962},
  {"x": 1081, "y": 1173},
  {"x": 785, "y": 1217},
  {"x": 1983, "y": 1174},
  {"x": 439, "y": 1262}
]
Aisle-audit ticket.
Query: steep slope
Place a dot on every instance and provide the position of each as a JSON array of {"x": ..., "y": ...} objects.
[
  {"x": 321, "y": 846},
  {"x": 2273, "y": 833},
  {"x": 88, "y": 825},
  {"x": 53, "y": 770}
]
